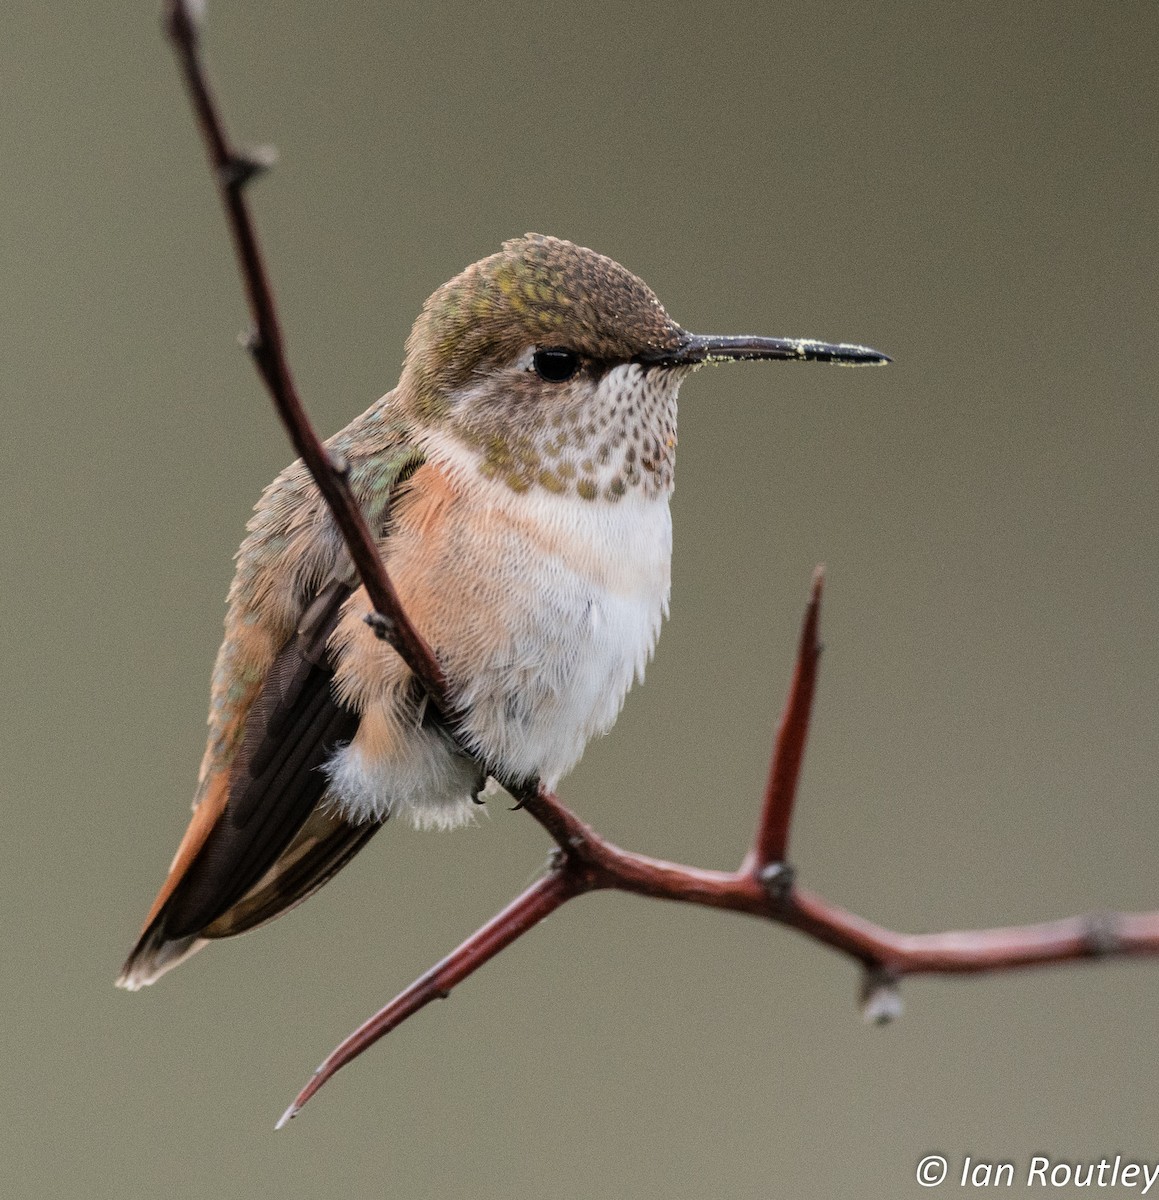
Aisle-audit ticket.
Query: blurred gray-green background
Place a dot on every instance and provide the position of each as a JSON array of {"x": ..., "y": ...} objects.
[{"x": 971, "y": 187}]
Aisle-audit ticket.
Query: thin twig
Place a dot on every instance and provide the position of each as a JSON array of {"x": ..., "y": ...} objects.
[
  {"x": 524, "y": 913},
  {"x": 763, "y": 885},
  {"x": 233, "y": 171},
  {"x": 771, "y": 847},
  {"x": 586, "y": 862}
]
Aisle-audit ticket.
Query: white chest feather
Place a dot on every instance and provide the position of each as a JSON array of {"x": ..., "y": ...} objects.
[{"x": 585, "y": 587}]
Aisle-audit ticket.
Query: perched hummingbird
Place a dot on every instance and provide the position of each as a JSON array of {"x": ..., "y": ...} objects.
[{"x": 518, "y": 480}]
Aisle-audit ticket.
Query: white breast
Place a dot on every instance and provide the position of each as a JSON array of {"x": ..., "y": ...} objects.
[{"x": 586, "y": 586}]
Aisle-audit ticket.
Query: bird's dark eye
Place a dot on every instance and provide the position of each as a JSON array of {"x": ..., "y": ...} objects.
[{"x": 556, "y": 365}]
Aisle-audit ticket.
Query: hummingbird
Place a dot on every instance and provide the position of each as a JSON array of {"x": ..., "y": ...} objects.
[{"x": 517, "y": 481}]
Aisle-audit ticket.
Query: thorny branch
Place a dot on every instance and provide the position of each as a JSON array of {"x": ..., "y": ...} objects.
[
  {"x": 233, "y": 170},
  {"x": 764, "y": 884}
]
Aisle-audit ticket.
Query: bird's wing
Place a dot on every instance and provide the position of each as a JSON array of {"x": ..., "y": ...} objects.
[
  {"x": 322, "y": 847},
  {"x": 276, "y": 778},
  {"x": 262, "y": 803},
  {"x": 258, "y": 842}
]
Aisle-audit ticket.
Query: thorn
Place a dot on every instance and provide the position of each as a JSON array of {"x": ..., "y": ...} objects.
[
  {"x": 287, "y": 1116},
  {"x": 880, "y": 998},
  {"x": 243, "y": 168},
  {"x": 777, "y": 879},
  {"x": 1102, "y": 935},
  {"x": 257, "y": 348},
  {"x": 185, "y": 17},
  {"x": 339, "y": 463},
  {"x": 382, "y": 625}
]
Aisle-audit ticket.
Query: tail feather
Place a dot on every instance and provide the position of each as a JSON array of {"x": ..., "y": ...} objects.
[
  {"x": 263, "y": 835},
  {"x": 324, "y": 845},
  {"x": 155, "y": 954}
]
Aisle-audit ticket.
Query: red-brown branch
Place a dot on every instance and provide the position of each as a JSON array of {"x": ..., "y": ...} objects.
[
  {"x": 523, "y": 913},
  {"x": 587, "y": 862},
  {"x": 233, "y": 170},
  {"x": 763, "y": 886},
  {"x": 771, "y": 846}
]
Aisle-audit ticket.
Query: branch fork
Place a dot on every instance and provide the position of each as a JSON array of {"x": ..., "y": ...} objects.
[{"x": 764, "y": 885}]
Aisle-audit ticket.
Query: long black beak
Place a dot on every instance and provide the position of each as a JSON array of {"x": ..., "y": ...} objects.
[{"x": 706, "y": 348}]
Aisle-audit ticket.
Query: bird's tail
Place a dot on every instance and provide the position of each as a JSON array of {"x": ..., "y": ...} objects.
[{"x": 155, "y": 954}]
